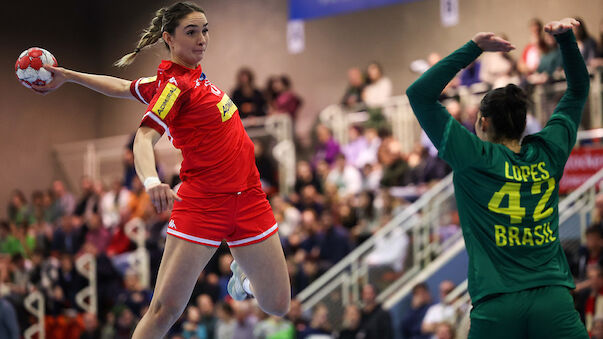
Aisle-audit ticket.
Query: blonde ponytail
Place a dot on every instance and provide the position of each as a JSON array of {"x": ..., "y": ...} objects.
[{"x": 149, "y": 37}]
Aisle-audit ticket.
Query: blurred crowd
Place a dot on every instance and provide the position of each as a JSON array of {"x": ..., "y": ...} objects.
[{"x": 343, "y": 194}]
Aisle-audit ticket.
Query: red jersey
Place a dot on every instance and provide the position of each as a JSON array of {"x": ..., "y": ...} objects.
[{"x": 203, "y": 122}]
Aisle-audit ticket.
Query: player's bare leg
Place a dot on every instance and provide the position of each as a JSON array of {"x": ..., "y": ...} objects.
[
  {"x": 180, "y": 267},
  {"x": 264, "y": 265}
]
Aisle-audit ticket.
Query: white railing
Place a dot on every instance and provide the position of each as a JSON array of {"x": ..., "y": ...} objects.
[
  {"x": 87, "y": 297},
  {"x": 34, "y": 304},
  {"x": 139, "y": 259},
  {"x": 341, "y": 284}
]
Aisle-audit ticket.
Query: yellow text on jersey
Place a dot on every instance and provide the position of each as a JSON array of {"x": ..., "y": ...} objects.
[
  {"x": 226, "y": 107},
  {"x": 166, "y": 100}
]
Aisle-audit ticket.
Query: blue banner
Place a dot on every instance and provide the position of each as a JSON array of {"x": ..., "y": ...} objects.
[{"x": 312, "y": 9}]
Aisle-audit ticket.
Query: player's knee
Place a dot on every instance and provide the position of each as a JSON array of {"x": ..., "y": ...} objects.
[
  {"x": 165, "y": 312},
  {"x": 279, "y": 306}
]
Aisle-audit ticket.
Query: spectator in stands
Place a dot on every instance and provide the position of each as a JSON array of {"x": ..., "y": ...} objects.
[
  {"x": 532, "y": 125},
  {"x": 334, "y": 243},
  {"x": 390, "y": 251},
  {"x": 287, "y": 216},
  {"x": 296, "y": 317},
  {"x": 9, "y": 326},
  {"x": 68, "y": 238},
  {"x": 192, "y": 327},
  {"x": 379, "y": 87},
  {"x": 63, "y": 198},
  {"x": 589, "y": 253},
  {"x": 52, "y": 211},
  {"x": 345, "y": 177},
  {"x": 134, "y": 296},
  {"x": 530, "y": 56},
  {"x": 375, "y": 322},
  {"x": 356, "y": 145},
  {"x": 413, "y": 319},
  {"x": 470, "y": 75},
  {"x": 440, "y": 312},
  {"x": 225, "y": 324},
  {"x": 126, "y": 322},
  {"x": 499, "y": 69},
  {"x": 245, "y": 320},
  {"x": 589, "y": 301},
  {"x": 18, "y": 210},
  {"x": 597, "y": 330},
  {"x": 37, "y": 209},
  {"x": 319, "y": 324},
  {"x": 587, "y": 45},
  {"x": 8, "y": 243},
  {"x": 284, "y": 100},
  {"x": 444, "y": 331},
  {"x": 96, "y": 233},
  {"x": 91, "y": 327},
  {"x": 69, "y": 279},
  {"x": 208, "y": 318},
  {"x": 350, "y": 328},
  {"x": 368, "y": 155},
  {"x": 266, "y": 166},
  {"x": 274, "y": 327},
  {"x": 352, "y": 99},
  {"x": 88, "y": 200},
  {"x": 327, "y": 148},
  {"x": 305, "y": 176},
  {"x": 114, "y": 204},
  {"x": 395, "y": 168},
  {"x": 248, "y": 99},
  {"x": 550, "y": 62}
]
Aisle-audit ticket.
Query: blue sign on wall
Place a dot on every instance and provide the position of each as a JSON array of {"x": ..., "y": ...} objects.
[{"x": 312, "y": 9}]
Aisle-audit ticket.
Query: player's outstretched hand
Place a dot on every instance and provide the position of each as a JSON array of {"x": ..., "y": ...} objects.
[
  {"x": 162, "y": 197},
  {"x": 489, "y": 42},
  {"x": 59, "y": 77},
  {"x": 561, "y": 26}
]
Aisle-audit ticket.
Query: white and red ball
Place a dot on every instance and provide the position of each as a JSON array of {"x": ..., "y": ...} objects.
[{"x": 29, "y": 67}]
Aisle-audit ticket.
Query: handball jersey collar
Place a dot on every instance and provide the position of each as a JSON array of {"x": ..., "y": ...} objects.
[{"x": 167, "y": 64}]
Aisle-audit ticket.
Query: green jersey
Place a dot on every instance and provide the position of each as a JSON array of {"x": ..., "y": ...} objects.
[{"x": 507, "y": 202}]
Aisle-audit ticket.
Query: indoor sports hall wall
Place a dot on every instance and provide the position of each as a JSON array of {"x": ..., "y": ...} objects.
[{"x": 91, "y": 35}]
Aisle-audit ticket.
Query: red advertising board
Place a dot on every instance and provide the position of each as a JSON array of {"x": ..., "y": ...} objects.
[{"x": 582, "y": 164}]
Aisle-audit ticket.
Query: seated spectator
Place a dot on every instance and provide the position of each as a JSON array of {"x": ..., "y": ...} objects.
[
  {"x": 248, "y": 99},
  {"x": 296, "y": 317},
  {"x": 379, "y": 87},
  {"x": 68, "y": 238},
  {"x": 245, "y": 320},
  {"x": 266, "y": 167},
  {"x": 352, "y": 99},
  {"x": 88, "y": 201},
  {"x": 96, "y": 233},
  {"x": 368, "y": 155},
  {"x": 284, "y": 100},
  {"x": 440, "y": 312},
  {"x": 532, "y": 125},
  {"x": 18, "y": 210},
  {"x": 225, "y": 324},
  {"x": 9, "y": 326},
  {"x": 287, "y": 216},
  {"x": 597, "y": 329},
  {"x": 319, "y": 325},
  {"x": 274, "y": 327},
  {"x": 390, "y": 250},
  {"x": 499, "y": 69},
  {"x": 192, "y": 327},
  {"x": 114, "y": 204},
  {"x": 327, "y": 148},
  {"x": 471, "y": 74},
  {"x": 413, "y": 319},
  {"x": 356, "y": 145},
  {"x": 346, "y": 177},
  {"x": 395, "y": 168},
  {"x": 208, "y": 318},
  {"x": 444, "y": 331},
  {"x": 588, "y": 254},
  {"x": 587, "y": 45},
  {"x": 589, "y": 301},
  {"x": 92, "y": 329},
  {"x": 334, "y": 243},
  {"x": 134, "y": 296},
  {"x": 9, "y": 244},
  {"x": 305, "y": 176},
  {"x": 550, "y": 62},
  {"x": 350, "y": 327},
  {"x": 530, "y": 56},
  {"x": 375, "y": 321}
]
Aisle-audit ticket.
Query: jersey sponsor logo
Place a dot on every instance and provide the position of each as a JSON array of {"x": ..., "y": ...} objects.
[
  {"x": 202, "y": 77},
  {"x": 226, "y": 107},
  {"x": 173, "y": 81},
  {"x": 166, "y": 100},
  {"x": 148, "y": 79},
  {"x": 510, "y": 236}
]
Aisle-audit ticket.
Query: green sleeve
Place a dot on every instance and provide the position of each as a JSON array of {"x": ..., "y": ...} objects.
[
  {"x": 423, "y": 94},
  {"x": 562, "y": 128}
]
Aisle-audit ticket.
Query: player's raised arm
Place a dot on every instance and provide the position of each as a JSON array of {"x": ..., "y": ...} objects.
[
  {"x": 104, "y": 84},
  {"x": 573, "y": 100},
  {"x": 424, "y": 92}
]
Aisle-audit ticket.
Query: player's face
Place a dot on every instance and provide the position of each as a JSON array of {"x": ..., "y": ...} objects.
[{"x": 189, "y": 41}]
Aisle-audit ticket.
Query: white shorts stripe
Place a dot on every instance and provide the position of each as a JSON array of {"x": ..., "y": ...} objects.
[
  {"x": 138, "y": 92},
  {"x": 192, "y": 238},
  {"x": 257, "y": 237}
]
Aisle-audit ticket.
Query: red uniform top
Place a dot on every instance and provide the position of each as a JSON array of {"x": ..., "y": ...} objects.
[{"x": 203, "y": 122}]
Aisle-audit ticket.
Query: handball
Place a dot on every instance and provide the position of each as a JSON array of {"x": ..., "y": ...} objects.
[{"x": 29, "y": 67}]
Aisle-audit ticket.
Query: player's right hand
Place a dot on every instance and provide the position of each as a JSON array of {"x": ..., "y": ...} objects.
[
  {"x": 162, "y": 197},
  {"x": 561, "y": 26},
  {"x": 59, "y": 77}
]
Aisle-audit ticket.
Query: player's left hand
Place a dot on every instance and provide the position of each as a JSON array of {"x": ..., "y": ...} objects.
[
  {"x": 162, "y": 197},
  {"x": 561, "y": 26},
  {"x": 489, "y": 42}
]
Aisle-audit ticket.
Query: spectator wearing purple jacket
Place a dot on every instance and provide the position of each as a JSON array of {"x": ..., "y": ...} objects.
[{"x": 327, "y": 148}]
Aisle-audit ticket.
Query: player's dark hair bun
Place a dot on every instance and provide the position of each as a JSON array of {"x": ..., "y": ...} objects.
[{"x": 507, "y": 108}]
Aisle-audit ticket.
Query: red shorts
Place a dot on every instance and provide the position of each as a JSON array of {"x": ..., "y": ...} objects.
[{"x": 242, "y": 218}]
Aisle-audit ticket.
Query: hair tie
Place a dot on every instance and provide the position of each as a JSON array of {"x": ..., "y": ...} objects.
[{"x": 137, "y": 50}]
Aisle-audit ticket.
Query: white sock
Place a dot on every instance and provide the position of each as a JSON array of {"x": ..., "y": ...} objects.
[{"x": 247, "y": 287}]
